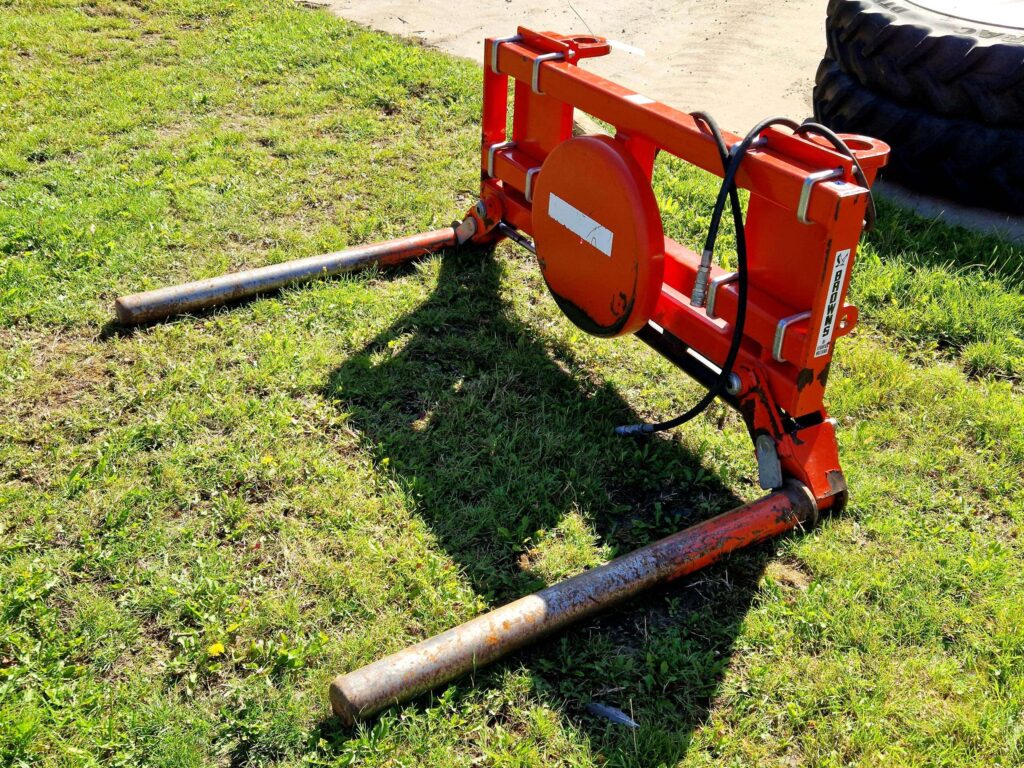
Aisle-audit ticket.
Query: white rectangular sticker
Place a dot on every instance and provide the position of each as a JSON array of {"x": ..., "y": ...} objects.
[
  {"x": 638, "y": 99},
  {"x": 831, "y": 316},
  {"x": 577, "y": 222}
]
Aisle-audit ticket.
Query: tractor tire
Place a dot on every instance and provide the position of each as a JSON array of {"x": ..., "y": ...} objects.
[
  {"x": 919, "y": 55},
  {"x": 959, "y": 159}
]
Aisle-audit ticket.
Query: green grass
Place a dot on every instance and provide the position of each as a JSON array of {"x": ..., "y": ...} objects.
[{"x": 203, "y": 521}]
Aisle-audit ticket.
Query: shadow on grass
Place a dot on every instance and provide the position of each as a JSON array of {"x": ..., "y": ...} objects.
[{"x": 496, "y": 438}]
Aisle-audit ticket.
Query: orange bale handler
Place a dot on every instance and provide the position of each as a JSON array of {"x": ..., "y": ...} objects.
[{"x": 760, "y": 337}]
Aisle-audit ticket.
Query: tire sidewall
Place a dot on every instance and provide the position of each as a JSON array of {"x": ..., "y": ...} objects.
[
  {"x": 974, "y": 164},
  {"x": 903, "y": 13}
]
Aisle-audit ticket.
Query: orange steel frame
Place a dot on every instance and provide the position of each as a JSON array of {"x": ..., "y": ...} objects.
[{"x": 799, "y": 270}]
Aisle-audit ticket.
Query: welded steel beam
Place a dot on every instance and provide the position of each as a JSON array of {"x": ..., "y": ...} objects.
[
  {"x": 203, "y": 294},
  {"x": 442, "y": 658}
]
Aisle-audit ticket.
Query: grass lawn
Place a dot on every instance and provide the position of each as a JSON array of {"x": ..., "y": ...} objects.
[{"x": 203, "y": 521}]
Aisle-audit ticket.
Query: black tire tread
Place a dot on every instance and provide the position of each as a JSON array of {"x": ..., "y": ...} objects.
[
  {"x": 954, "y": 158},
  {"x": 943, "y": 65}
]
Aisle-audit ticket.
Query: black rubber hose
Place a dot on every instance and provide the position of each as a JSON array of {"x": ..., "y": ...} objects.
[{"x": 730, "y": 163}]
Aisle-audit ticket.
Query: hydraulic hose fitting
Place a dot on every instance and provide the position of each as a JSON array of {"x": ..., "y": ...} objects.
[
  {"x": 631, "y": 430},
  {"x": 699, "y": 296}
]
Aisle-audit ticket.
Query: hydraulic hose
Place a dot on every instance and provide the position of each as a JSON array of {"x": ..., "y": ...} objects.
[
  {"x": 731, "y": 163},
  {"x": 698, "y": 297}
]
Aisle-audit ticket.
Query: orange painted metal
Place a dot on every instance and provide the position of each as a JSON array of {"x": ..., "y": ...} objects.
[
  {"x": 604, "y": 272},
  {"x": 800, "y": 257}
]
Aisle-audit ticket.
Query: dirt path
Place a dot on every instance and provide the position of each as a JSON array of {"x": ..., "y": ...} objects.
[{"x": 738, "y": 59}]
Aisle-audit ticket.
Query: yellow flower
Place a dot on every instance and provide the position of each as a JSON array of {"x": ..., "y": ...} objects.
[{"x": 217, "y": 649}]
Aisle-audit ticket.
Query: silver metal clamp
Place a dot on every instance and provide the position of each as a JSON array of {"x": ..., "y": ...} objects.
[
  {"x": 490, "y": 154},
  {"x": 716, "y": 283},
  {"x": 494, "y": 50},
  {"x": 780, "y": 333},
  {"x": 535, "y": 80},
  {"x": 805, "y": 190},
  {"x": 528, "y": 192},
  {"x": 757, "y": 143}
]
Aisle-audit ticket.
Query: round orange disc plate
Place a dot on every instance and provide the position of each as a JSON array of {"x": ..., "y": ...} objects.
[{"x": 598, "y": 235}]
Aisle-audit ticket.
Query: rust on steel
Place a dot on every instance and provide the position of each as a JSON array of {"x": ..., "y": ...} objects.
[
  {"x": 442, "y": 658},
  {"x": 203, "y": 294}
]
